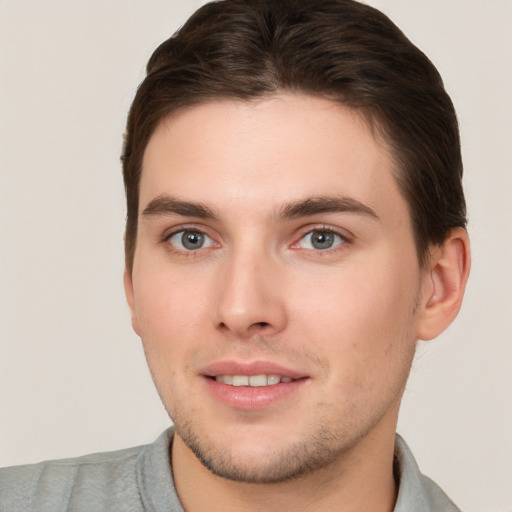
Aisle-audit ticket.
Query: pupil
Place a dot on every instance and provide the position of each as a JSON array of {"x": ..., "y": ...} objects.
[
  {"x": 192, "y": 240},
  {"x": 322, "y": 240}
]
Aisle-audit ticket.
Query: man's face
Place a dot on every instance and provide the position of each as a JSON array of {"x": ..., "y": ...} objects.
[{"x": 274, "y": 248}]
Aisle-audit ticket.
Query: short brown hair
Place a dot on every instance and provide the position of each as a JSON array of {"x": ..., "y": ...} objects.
[{"x": 342, "y": 50}]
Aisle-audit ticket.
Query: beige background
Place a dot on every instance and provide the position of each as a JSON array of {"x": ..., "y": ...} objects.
[{"x": 72, "y": 375}]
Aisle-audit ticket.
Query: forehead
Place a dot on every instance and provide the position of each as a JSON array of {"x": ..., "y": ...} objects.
[{"x": 239, "y": 154}]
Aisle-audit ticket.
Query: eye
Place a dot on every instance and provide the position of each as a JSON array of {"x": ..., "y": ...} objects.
[
  {"x": 190, "y": 240},
  {"x": 320, "y": 240}
]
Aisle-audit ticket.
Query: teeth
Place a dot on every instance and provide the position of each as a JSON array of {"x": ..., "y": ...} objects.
[
  {"x": 257, "y": 380},
  {"x": 273, "y": 379},
  {"x": 240, "y": 380},
  {"x": 253, "y": 380}
]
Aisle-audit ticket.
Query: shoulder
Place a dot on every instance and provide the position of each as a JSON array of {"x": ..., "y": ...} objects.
[
  {"x": 55, "y": 485},
  {"x": 416, "y": 491}
]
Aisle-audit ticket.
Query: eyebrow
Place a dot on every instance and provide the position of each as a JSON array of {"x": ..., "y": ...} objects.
[
  {"x": 325, "y": 204},
  {"x": 166, "y": 205}
]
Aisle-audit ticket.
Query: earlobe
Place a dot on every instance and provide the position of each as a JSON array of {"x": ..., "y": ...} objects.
[
  {"x": 444, "y": 284},
  {"x": 128, "y": 290}
]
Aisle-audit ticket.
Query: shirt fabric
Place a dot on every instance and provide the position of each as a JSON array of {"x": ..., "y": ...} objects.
[{"x": 140, "y": 480}]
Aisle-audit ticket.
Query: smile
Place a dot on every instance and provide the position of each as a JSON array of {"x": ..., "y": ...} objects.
[
  {"x": 254, "y": 381},
  {"x": 253, "y": 386}
]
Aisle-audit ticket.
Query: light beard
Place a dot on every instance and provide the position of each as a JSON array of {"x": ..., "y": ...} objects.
[
  {"x": 319, "y": 450},
  {"x": 331, "y": 438}
]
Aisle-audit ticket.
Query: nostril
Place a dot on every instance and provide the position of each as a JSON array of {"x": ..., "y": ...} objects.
[{"x": 261, "y": 324}]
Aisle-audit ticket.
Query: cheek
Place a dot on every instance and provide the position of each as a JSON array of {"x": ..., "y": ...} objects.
[
  {"x": 363, "y": 317},
  {"x": 167, "y": 326},
  {"x": 167, "y": 300},
  {"x": 171, "y": 313}
]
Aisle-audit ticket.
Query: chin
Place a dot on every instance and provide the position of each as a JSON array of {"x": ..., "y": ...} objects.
[
  {"x": 257, "y": 459},
  {"x": 284, "y": 465}
]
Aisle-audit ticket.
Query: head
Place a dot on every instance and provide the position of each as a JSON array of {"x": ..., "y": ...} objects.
[
  {"x": 295, "y": 212},
  {"x": 340, "y": 50}
]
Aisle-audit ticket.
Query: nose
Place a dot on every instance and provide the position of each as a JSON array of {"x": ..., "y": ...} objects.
[{"x": 251, "y": 298}]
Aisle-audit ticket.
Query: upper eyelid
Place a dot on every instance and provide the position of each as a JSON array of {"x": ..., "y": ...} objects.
[
  {"x": 346, "y": 239},
  {"x": 174, "y": 248},
  {"x": 300, "y": 233},
  {"x": 343, "y": 233},
  {"x": 169, "y": 232}
]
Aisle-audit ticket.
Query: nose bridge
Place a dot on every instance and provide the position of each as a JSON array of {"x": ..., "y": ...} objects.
[{"x": 250, "y": 299}]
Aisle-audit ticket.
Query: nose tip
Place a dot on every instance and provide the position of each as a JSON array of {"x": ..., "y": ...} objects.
[{"x": 251, "y": 301}]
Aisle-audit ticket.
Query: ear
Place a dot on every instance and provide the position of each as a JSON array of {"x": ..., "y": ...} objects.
[
  {"x": 444, "y": 284},
  {"x": 128, "y": 291}
]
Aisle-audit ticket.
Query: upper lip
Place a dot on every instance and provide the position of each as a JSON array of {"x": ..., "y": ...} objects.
[{"x": 250, "y": 368}]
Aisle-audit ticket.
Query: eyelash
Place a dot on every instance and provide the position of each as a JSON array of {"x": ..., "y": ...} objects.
[
  {"x": 184, "y": 229},
  {"x": 344, "y": 240}
]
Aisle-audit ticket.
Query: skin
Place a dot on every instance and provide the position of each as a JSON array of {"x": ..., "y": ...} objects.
[{"x": 345, "y": 318}]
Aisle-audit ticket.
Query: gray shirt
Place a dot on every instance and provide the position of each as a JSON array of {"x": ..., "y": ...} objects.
[{"x": 140, "y": 479}]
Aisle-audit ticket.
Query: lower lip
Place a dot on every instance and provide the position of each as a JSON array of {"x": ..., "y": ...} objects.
[{"x": 249, "y": 398}]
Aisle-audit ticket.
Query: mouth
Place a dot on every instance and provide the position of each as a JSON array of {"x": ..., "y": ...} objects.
[
  {"x": 253, "y": 385},
  {"x": 254, "y": 381}
]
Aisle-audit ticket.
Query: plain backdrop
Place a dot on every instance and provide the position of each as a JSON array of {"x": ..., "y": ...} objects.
[{"x": 73, "y": 378}]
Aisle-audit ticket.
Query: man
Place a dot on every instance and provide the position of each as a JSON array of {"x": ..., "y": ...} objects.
[{"x": 296, "y": 222}]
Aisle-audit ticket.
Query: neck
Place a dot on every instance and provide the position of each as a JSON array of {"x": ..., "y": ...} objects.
[{"x": 361, "y": 479}]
